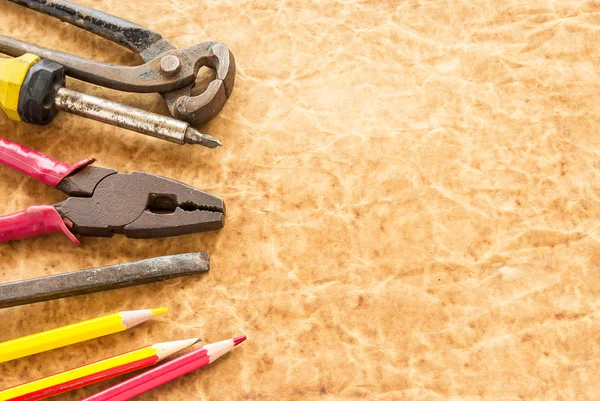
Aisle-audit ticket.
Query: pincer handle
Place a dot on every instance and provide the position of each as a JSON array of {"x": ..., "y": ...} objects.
[
  {"x": 35, "y": 164},
  {"x": 34, "y": 221}
]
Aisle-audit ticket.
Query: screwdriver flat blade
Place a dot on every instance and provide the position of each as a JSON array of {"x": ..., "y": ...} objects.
[{"x": 102, "y": 278}]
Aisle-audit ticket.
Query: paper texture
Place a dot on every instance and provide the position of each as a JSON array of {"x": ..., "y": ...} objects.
[{"x": 412, "y": 202}]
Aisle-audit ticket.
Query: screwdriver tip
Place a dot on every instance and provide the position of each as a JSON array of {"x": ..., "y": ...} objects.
[{"x": 195, "y": 137}]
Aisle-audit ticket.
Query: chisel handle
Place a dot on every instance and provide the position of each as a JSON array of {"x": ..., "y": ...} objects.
[{"x": 34, "y": 221}]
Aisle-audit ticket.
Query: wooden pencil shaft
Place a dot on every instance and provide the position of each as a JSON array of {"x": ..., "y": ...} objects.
[
  {"x": 102, "y": 279},
  {"x": 166, "y": 372},
  {"x": 74, "y": 333},
  {"x": 82, "y": 376},
  {"x": 94, "y": 372}
]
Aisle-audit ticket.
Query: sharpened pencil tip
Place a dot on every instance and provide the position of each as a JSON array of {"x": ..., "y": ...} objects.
[
  {"x": 164, "y": 350},
  {"x": 159, "y": 311},
  {"x": 238, "y": 340}
]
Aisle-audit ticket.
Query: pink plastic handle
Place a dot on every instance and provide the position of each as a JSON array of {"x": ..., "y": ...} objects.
[
  {"x": 34, "y": 221},
  {"x": 35, "y": 164}
]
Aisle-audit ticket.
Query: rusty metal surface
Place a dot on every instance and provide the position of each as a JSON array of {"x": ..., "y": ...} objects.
[
  {"x": 84, "y": 182},
  {"x": 143, "y": 78},
  {"x": 156, "y": 75},
  {"x": 142, "y": 205},
  {"x": 131, "y": 118},
  {"x": 205, "y": 106},
  {"x": 126, "y": 33},
  {"x": 102, "y": 279}
]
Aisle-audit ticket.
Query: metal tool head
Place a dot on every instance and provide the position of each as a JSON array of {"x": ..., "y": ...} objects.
[
  {"x": 167, "y": 69},
  {"x": 142, "y": 205},
  {"x": 203, "y": 107}
]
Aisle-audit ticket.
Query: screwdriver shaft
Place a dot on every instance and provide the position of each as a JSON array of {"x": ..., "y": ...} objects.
[{"x": 131, "y": 118}]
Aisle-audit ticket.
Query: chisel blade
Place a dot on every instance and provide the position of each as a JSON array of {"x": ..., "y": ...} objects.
[{"x": 102, "y": 278}]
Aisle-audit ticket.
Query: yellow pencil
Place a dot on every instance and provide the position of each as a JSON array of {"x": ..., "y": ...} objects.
[
  {"x": 94, "y": 372},
  {"x": 75, "y": 333}
]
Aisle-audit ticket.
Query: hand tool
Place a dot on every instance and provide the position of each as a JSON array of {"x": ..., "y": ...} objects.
[
  {"x": 33, "y": 91},
  {"x": 103, "y": 202},
  {"x": 166, "y": 372},
  {"x": 167, "y": 69},
  {"x": 75, "y": 333},
  {"x": 95, "y": 372},
  {"x": 102, "y": 278}
]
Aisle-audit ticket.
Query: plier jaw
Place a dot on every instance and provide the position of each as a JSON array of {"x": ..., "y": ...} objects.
[
  {"x": 179, "y": 222},
  {"x": 104, "y": 202},
  {"x": 141, "y": 205}
]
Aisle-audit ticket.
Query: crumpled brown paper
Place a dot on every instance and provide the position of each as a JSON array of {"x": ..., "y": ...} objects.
[{"x": 412, "y": 192}]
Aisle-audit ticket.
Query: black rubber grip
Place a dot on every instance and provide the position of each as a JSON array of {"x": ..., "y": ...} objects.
[{"x": 38, "y": 92}]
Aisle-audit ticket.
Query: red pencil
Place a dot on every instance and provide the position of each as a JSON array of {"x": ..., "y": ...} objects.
[{"x": 167, "y": 372}]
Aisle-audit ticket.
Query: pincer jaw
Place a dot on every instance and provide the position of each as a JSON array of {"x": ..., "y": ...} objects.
[
  {"x": 201, "y": 108},
  {"x": 180, "y": 222},
  {"x": 142, "y": 205},
  {"x": 172, "y": 215},
  {"x": 153, "y": 224}
]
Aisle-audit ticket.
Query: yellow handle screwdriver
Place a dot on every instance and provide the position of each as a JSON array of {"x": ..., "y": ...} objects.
[{"x": 33, "y": 90}]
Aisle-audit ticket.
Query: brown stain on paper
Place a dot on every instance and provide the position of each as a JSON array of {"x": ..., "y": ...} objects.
[{"x": 412, "y": 192}]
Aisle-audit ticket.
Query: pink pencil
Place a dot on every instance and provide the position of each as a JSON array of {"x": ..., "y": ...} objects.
[{"x": 166, "y": 372}]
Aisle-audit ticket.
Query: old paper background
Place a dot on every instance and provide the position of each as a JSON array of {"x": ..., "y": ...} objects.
[{"x": 412, "y": 193}]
